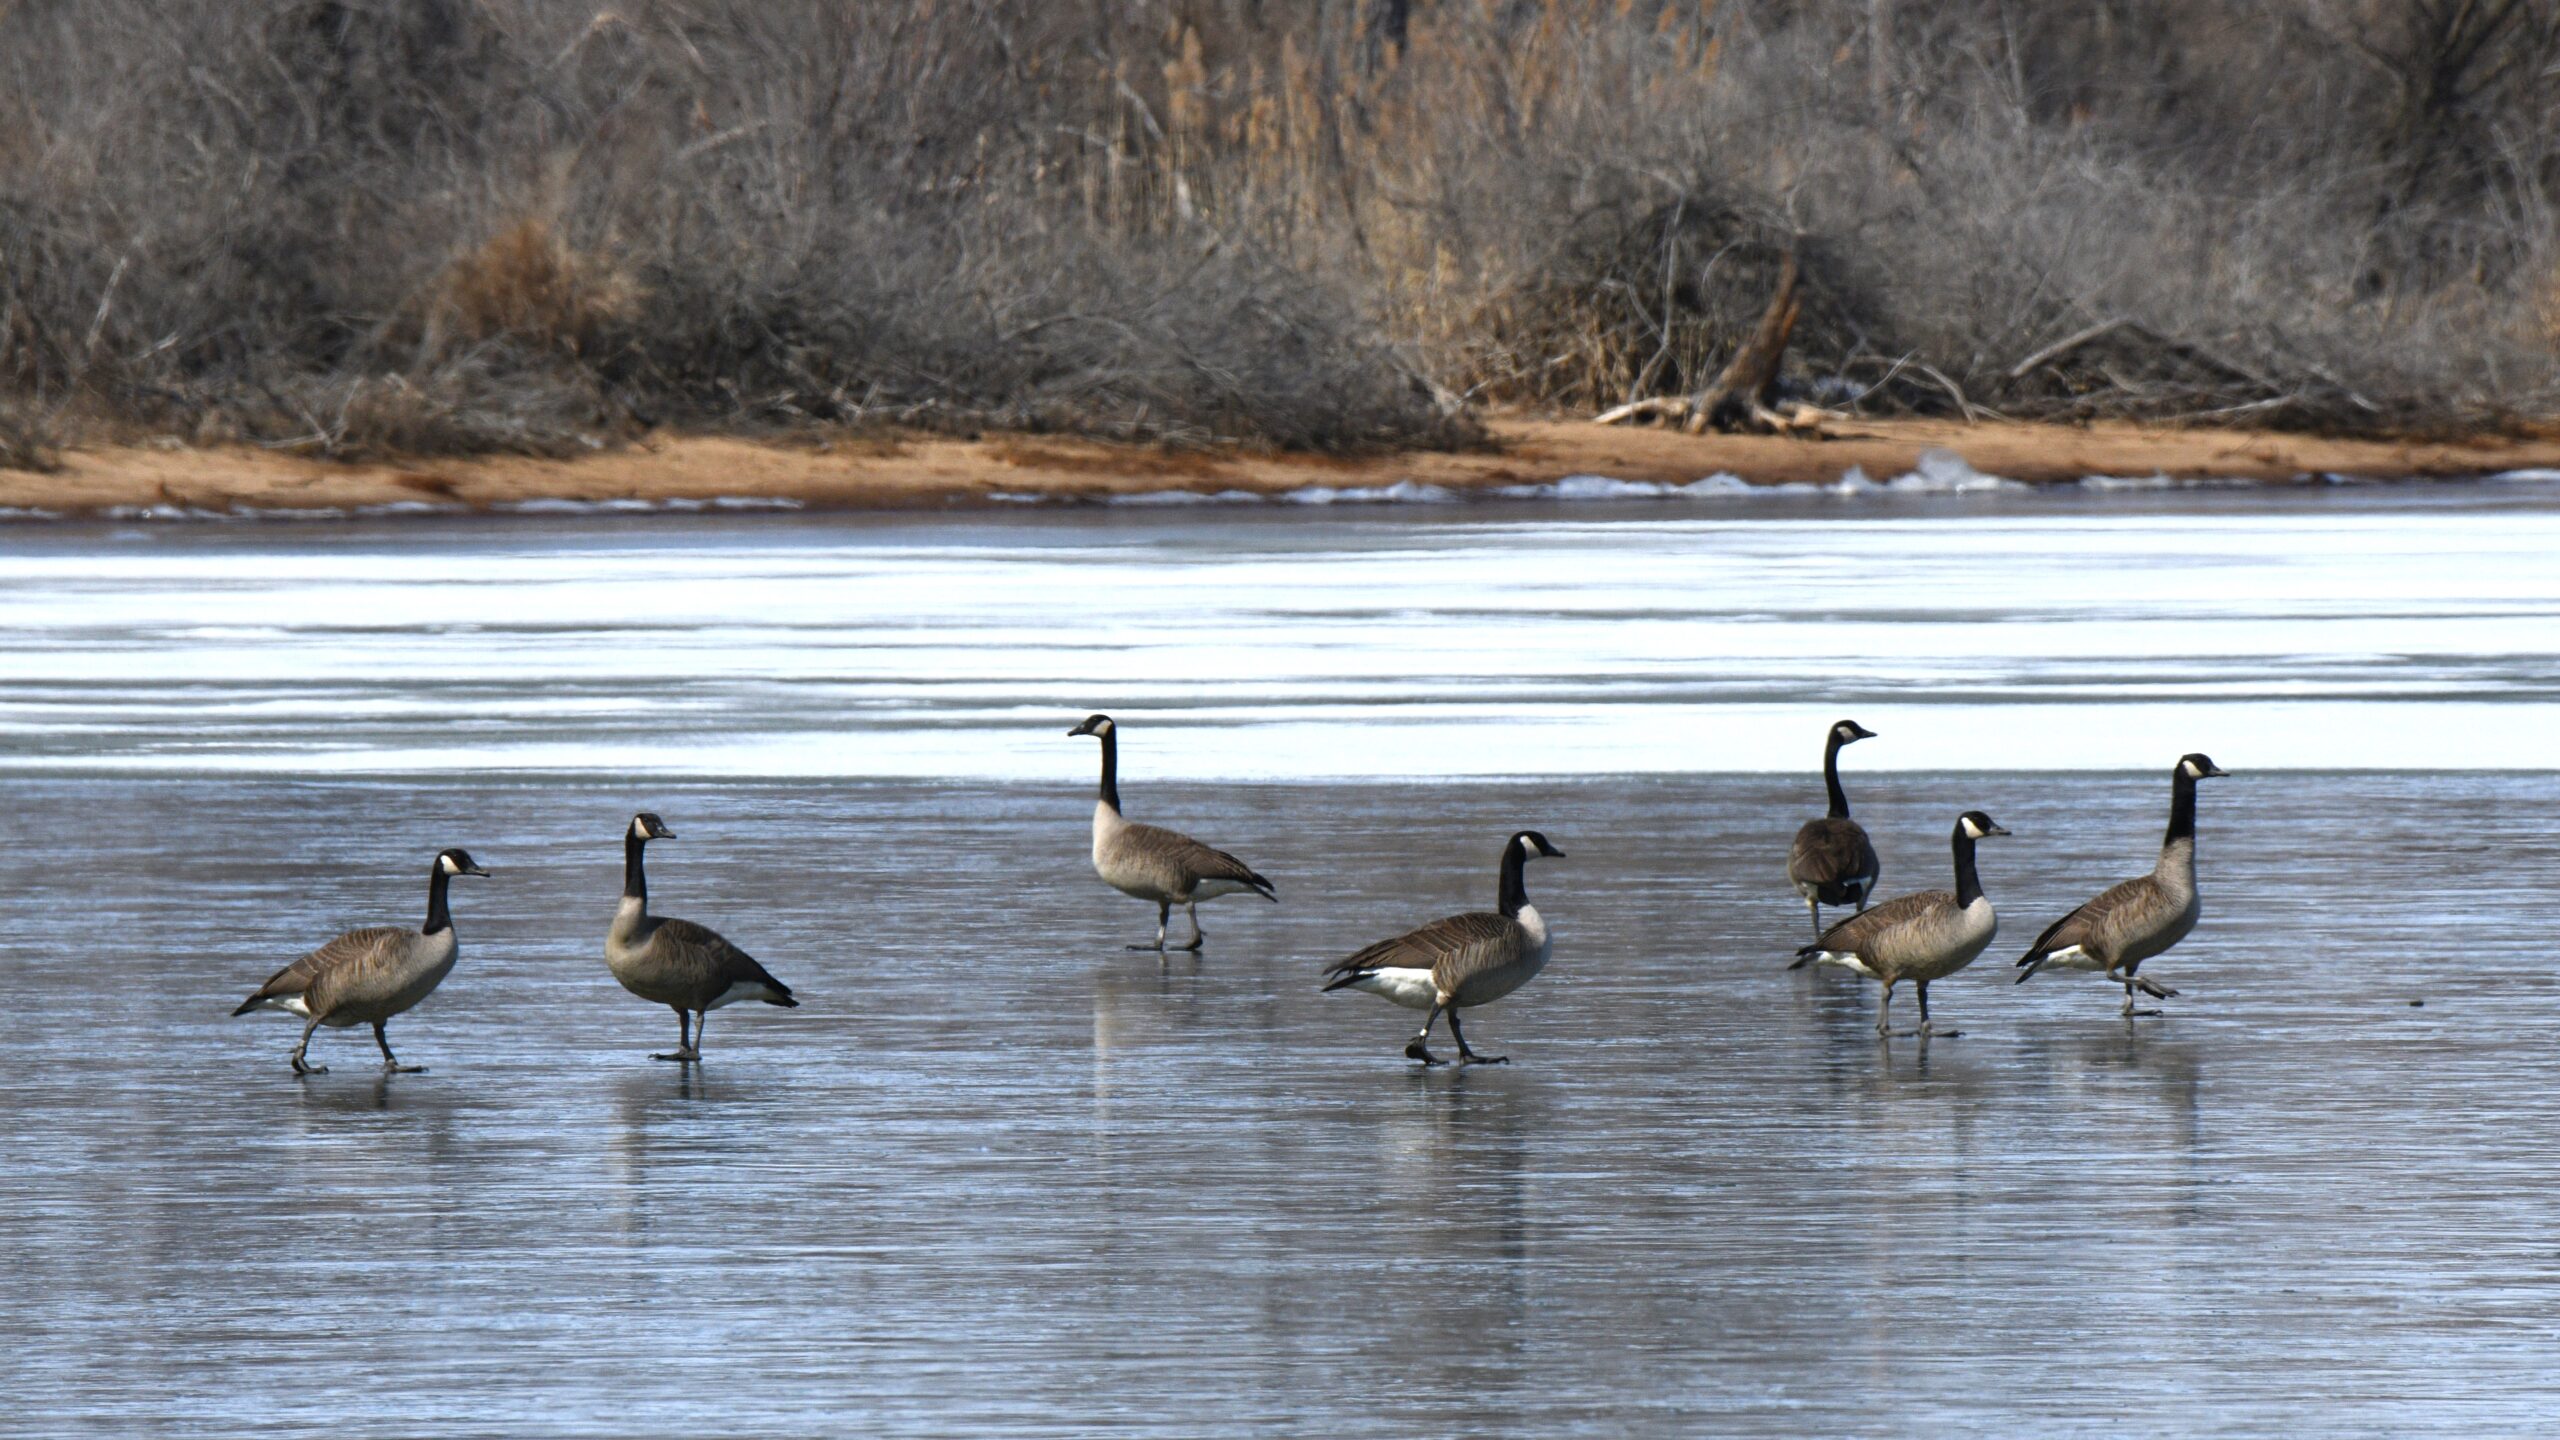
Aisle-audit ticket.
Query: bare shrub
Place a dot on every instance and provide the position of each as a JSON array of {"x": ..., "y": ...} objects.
[
  {"x": 27, "y": 438},
  {"x": 472, "y": 405},
  {"x": 527, "y": 285},
  {"x": 539, "y": 224}
]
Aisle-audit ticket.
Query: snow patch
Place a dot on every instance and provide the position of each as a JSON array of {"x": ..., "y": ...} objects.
[
  {"x": 1403, "y": 492},
  {"x": 1944, "y": 472},
  {"x": 1606, "y": 487},
  {"x": 1186, "y": 497},
  {"x": 552, "y": 505},
  {"x": 627, "y": 505}
]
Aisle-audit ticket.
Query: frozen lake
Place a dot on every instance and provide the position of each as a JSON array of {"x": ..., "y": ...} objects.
[
  {"x": 2393, "y": 628},
  {"x": 999, "y": 1176}
]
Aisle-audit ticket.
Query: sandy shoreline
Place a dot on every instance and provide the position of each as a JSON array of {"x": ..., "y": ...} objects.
[{"x": 929, "y": 471}]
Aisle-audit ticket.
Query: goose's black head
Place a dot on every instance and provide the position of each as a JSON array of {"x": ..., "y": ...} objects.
[
  {"x": 458, "y": 862},
  {"x": 2199, "y": 766},
  {"x": 1849, "y": 732},
  {"x": 1534, "y": 845},
  {"x": 647, "y": 826},
  {"x": 1977, "y": 825},
  {"x": 1093, "y": 725}
]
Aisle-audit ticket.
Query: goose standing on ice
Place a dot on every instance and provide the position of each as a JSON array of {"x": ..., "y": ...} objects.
[
  {"x": 1832, "y": 862},
  {"x": 1920, "y": 938},
  {"x": 1153, "y": 863},
  {"x": 2129, "y": 923},
  {"x": 365, "y": 977},
  {"x": 1462, "y": 961},
  {"x": 686, "y": 967}
]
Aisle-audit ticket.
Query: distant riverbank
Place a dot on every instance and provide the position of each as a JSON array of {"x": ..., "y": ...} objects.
[{"x": 1525, "y": 456}]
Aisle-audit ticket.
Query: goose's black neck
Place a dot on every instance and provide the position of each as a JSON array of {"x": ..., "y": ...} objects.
[
  {"x": 1831, "y": 778},
  {"x": 438, "y": 917},
  {"x": 1111, "y": 768},
  {"x": 635, "y": 884},
  {"x": 1515, "y": 880},
  {"x": 1968, "y": 880},
  {"x": 2182, "y": 808}
]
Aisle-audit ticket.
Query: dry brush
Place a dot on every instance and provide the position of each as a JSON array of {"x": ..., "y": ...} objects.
[{"x": 353, "y": 228}]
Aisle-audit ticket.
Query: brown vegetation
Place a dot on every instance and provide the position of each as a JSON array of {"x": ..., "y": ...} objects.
[{"x": 350, "y": 230}]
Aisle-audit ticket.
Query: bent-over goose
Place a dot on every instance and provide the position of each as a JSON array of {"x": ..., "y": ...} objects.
[
  {"x": 2129, "y": 923},
  {"x": 1832, "y": 862},
  {"x": 1920, "y": 938},
  {"x": 1462, "y": 961},
  {"x": 1154, "y": 863},
  {"x": 365, "y": 977},
  {"x": 687, "y": 967}
]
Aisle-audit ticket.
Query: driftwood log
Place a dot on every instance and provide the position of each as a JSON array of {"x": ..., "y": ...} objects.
[{"x": 1739, "y": 397}]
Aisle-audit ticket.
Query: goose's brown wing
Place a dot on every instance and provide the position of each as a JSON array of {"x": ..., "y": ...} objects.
[
  {"x": 1829, "y": 853},
  {"x": 1453, "y": 949},
  {"x": 1853, "y": 935},
  {"x": 349, "y": 956},
  {"x": 2081, "y": 925},
  {"x": 1189, "y": 861},
  {"x": 708, "y": 953}
]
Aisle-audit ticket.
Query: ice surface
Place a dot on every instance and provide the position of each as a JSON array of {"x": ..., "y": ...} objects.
[{"x": 2307, "y": 631}]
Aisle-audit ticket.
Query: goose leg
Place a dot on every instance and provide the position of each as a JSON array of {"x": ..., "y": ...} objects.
[
  {"x": 1884, "y": 1013},
  {"x": 684, "y": 1050},
  {"x": 1418, "y": 1048},
  {"x": 1926, "y": 1029},
  {"x": 1164, "y": 912},
  {"x": 1469, "y": 1055},
  {"x": 391, "y": 1063},
  {"x": 304, "y": 1044},
  {"x": 2129, "y": 1012},
  {"x": 1192, "y": 909},
  {"x": 1813, "y": 908}
]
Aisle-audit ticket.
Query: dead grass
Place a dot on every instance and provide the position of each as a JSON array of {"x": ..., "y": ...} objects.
[
  {"x": 533, "y": 226},
  {"x": 1117, "y": 460},
  {"x": 528, "y": 286}
]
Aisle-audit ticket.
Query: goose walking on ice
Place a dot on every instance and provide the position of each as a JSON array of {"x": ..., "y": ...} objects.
[
  {"x": 1462, "y": 961},
  {"x": 365, "y": 977},
  {"x": 686, "y": 967},
  {"x": 2129, "y": 923},
  {"x": 1920, "y": 938},
  {"x": 1832, "y": 861},
  {"x": 1156, "y": 864}
]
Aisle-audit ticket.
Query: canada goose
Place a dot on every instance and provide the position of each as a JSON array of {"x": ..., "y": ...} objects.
[
  {"x": 1460, "y": 962},
  {"x": 687, "y": 967},
  {"x": 1153, "y": 863},
  {"x": 367, "y": 976},
  {"x": 2129, "y": 923},
  {"x": 1832, "y": 862},
  {"x": 1920, "y": 938}
]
